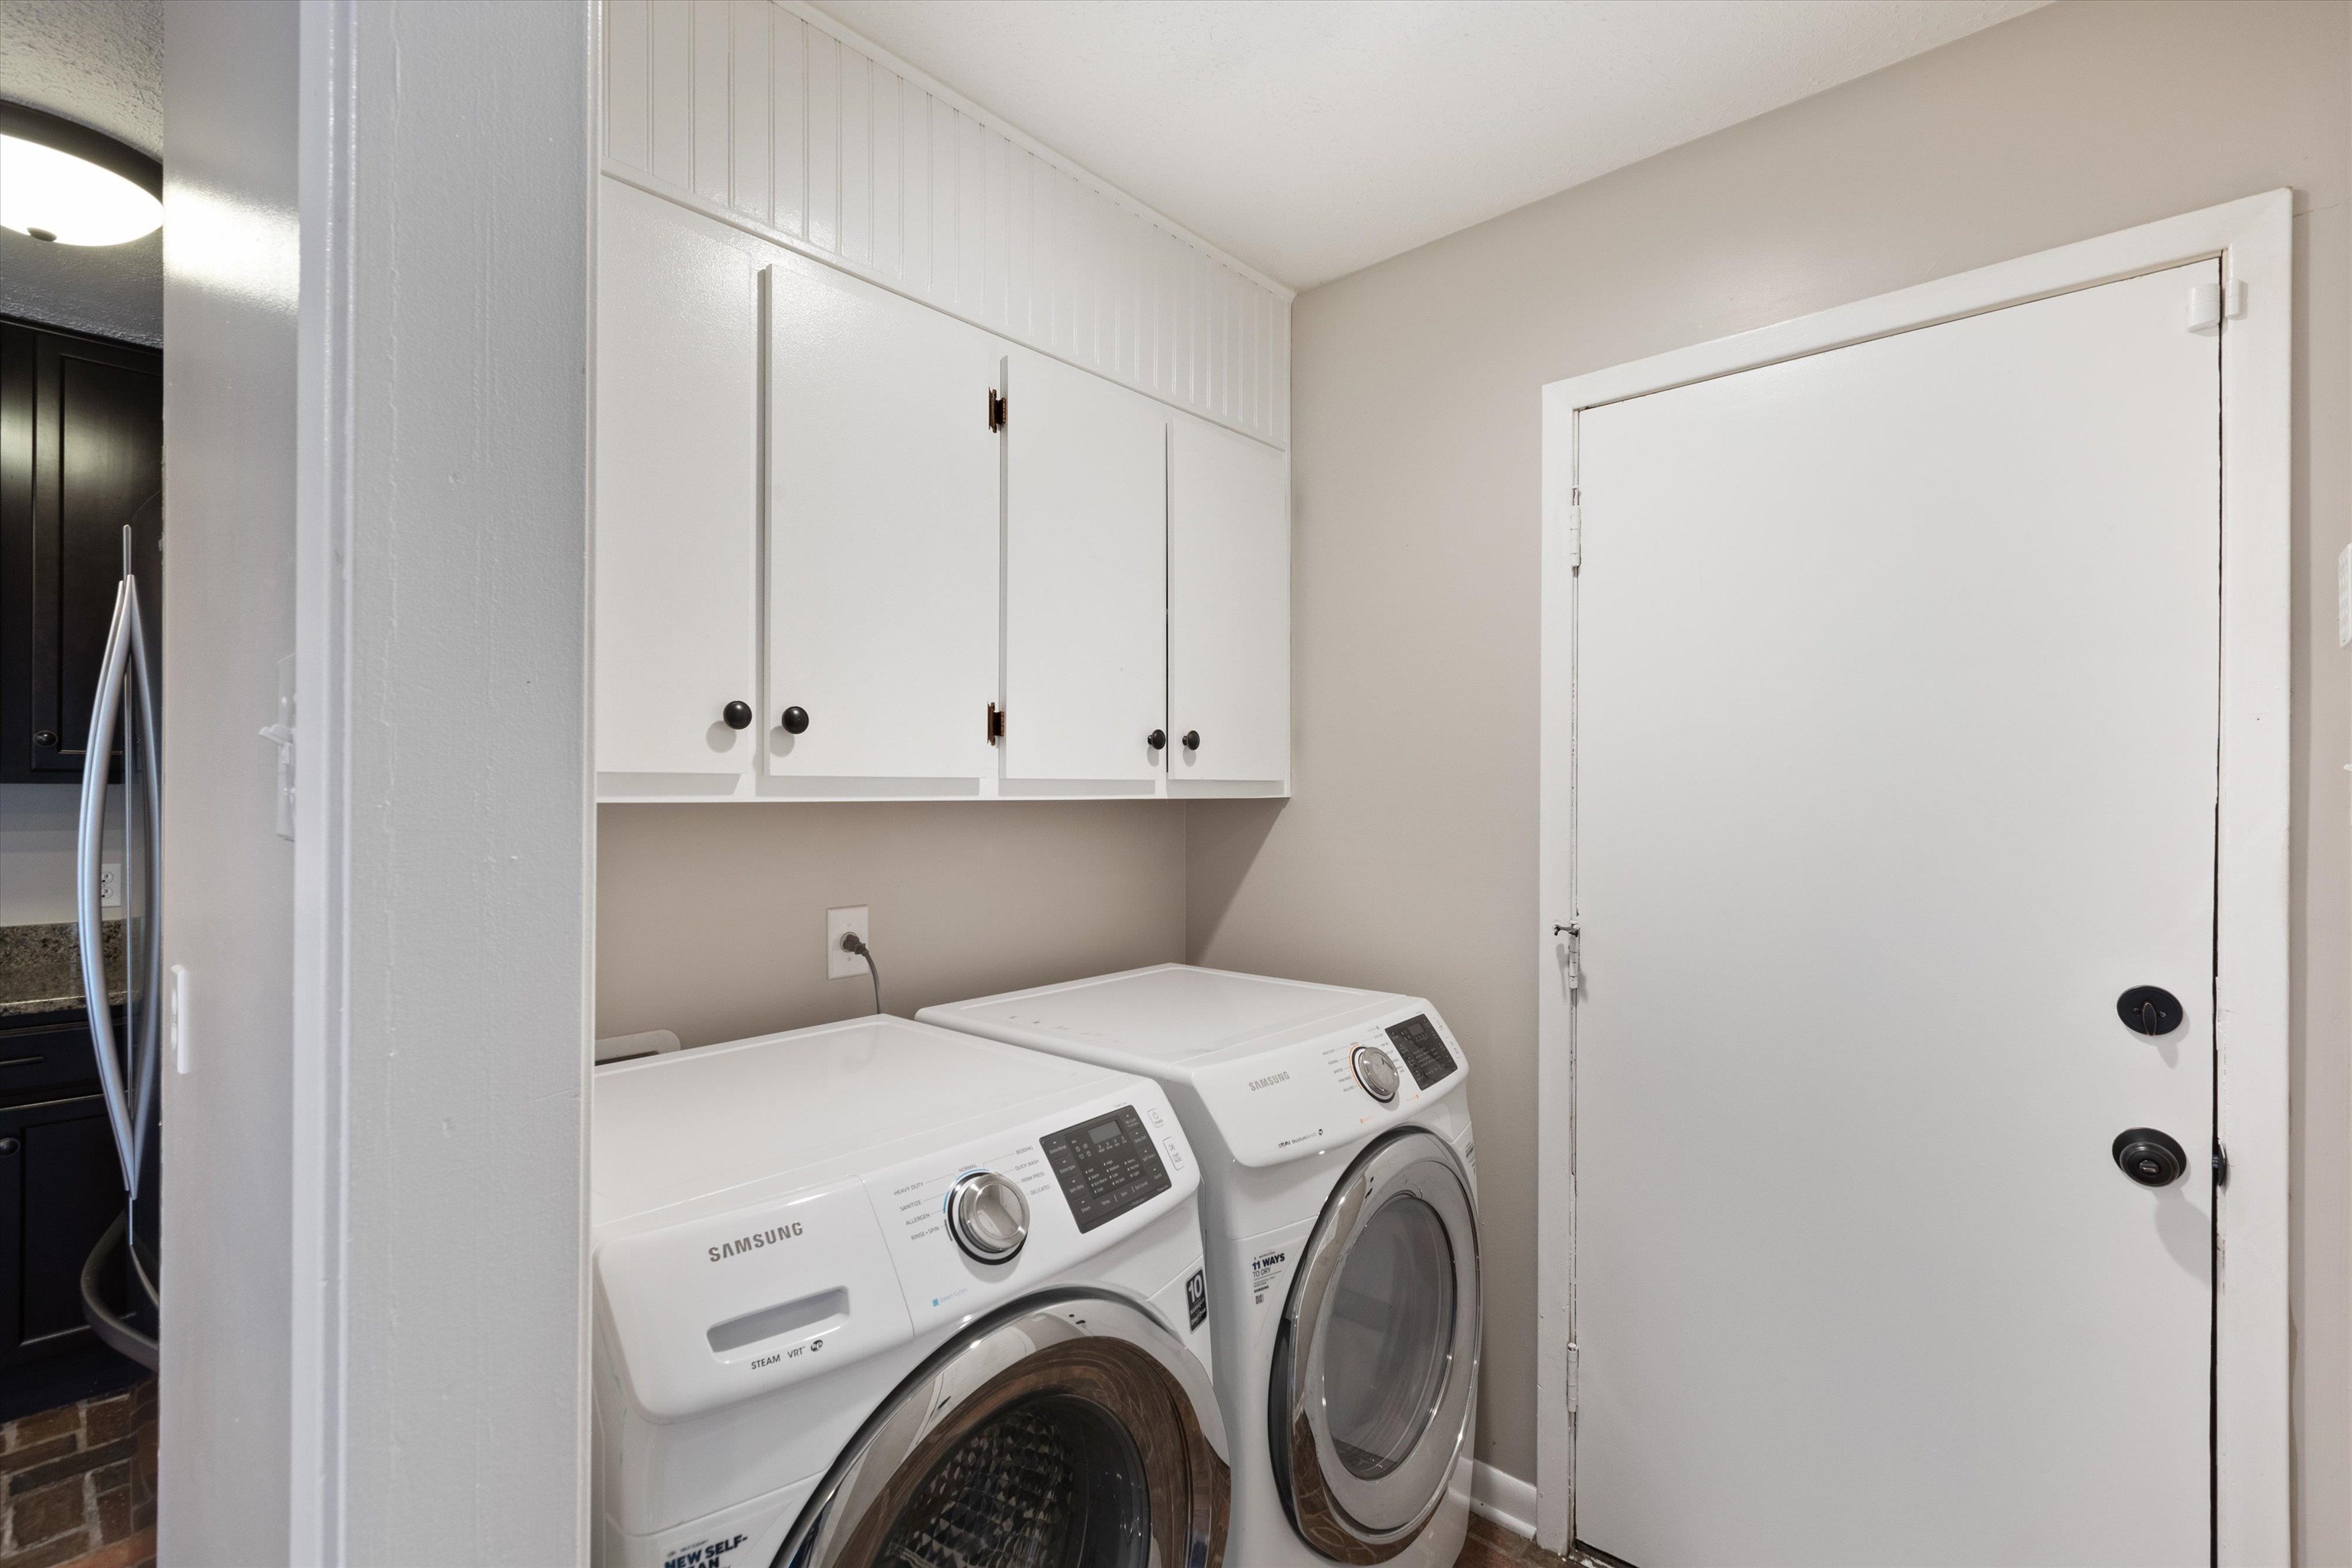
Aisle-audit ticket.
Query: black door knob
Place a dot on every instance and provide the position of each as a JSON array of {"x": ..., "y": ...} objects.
[
  {"x": 45, "y": 737},
  {"x": 1191, "y": 740},
  {"x": 737, "y": 715},
  {"x": 1156, "y": 740},
  {"x": 2151, "y": 1158},
  {"x": 2149, "y": 1009},
  {"x": 795, "y": 721}
]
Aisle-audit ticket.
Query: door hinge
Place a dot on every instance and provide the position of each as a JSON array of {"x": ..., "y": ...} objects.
[
  {"x": 2220, "y": 1165},
  {"x": 995, "y": 723},
  {"x": 996, "y": 409},
  {"x": 1573, "y": 952},
  {"x": 1575, "y": 530},
  {"x": 1574, "y": 1391},
  {"x": 2210, "y": 303}
]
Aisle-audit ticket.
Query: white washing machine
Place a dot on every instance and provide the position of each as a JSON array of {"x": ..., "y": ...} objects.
[
  {"x": 1339, "y": 1191},
  {"x": 879, "y": 1293}
]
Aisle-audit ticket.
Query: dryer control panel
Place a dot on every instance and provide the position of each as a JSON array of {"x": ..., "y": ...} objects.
[{"x": 1316, "y": 1094}]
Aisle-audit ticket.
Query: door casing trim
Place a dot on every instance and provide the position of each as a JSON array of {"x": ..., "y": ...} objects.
[{"x": 2254, "y": 239}]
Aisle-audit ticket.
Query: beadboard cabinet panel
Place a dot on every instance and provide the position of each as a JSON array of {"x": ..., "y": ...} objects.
[
  {"x": 1228, "y": 607},
  {"x": 677, "y": 467},
  {"x": 882, "y": 517},
  {"x": 1086, "y": 581},
  {"x": 778, "y": 120}
]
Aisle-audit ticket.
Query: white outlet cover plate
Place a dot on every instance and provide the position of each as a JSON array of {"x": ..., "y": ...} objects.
[{"x": 839, "y": 965}]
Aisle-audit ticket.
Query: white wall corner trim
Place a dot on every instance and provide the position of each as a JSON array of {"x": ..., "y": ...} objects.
[
  {"x": 1502, "y": 1499},
  {"x": 773, "y": 116},
  {"x": 2253, "y": 238}
]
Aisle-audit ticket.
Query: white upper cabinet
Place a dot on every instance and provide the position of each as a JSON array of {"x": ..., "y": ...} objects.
[
  {"x": 678, "y": 462},
  {"x": 1228, "y": 607},
  {"x": 882, "y": 530},
  {"x": 1086, "y": 584}
]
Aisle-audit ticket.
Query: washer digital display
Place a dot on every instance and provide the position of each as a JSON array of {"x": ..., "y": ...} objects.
[
  {"x": 1107, "y": 1166},
  {"x": 1424, "y": 1053}
]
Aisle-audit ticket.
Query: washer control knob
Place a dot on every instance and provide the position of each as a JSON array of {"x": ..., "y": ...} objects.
[
  {"x": 1375, "y": 1071},
  {"x": 989, "y": 1216}
]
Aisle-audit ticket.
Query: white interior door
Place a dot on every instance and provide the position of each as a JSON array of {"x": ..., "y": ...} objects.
[
  {"x": 677, "y": 471},
  {"x": 1228, "y": 605},
  {"x": 1085, "y": 586},
  {"x": 882, "y": 519},
  {"x": 1896, "y": 693}
]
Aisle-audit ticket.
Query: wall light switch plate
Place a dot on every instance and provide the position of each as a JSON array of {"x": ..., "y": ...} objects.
[
  {"x": 838, "y": 964},
  {"x": 2344, "y": 596}
]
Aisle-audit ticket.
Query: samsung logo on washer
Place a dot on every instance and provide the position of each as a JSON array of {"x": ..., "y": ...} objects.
[
  {"x": 1269, "y": 1081},
  {"x": 757, "y": 1239}
]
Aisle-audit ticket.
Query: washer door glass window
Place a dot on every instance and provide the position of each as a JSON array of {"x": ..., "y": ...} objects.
[
  {"x": 1074, "y": 1434},
  {"x": 1376, "y": 1364}
]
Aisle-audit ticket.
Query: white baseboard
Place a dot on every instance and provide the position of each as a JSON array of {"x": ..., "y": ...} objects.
[{"x": 1503, "y": 1499}]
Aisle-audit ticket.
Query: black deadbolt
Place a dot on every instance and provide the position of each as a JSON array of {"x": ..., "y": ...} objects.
[
  {"x": 795, "y": 721},
  {"x": 2150, "y": 1009},
  {"x": 1156, "y": 740},
  {"x": 1191, "y": 740},
  {"x": 737, "y": 715},
  {"x": 2151, "y": 1158}
]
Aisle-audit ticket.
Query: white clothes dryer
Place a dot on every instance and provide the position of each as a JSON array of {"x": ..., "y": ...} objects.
[
  {"x": 1338, "y": 1190},
  {"x": 879, "y": 1293}
]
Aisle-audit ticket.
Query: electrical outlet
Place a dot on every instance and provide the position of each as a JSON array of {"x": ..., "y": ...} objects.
[
  {"x": 840, "y": 965},
  {"x": 110, "y": 884}
]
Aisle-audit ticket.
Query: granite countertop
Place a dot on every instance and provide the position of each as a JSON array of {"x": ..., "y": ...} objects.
[{"x": 40, "y": 968}]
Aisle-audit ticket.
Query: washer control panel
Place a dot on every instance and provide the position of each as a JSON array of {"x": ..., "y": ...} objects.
[{"x": 1106, "y": 1165}]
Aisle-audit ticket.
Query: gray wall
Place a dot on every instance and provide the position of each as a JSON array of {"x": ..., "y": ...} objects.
[
  {"x": 1407, "y": 859},
  {"x": 228, "y": 444},
  {"x": 710, "y": 919}
]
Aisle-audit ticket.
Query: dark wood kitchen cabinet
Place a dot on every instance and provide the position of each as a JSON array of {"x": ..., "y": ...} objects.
[{"x": 81, "y": 455}]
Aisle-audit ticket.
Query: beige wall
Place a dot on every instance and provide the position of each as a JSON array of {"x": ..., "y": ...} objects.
[
  {"x": 710, "y": 919},
  {"x": 1407, "y": 859}
]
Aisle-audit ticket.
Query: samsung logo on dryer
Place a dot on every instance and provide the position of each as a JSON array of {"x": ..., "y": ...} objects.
[
  {"x": 754, "y": 1241},
  {"x": 1268, "y": 1081}
]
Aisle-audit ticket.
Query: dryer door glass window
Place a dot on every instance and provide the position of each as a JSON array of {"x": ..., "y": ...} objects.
[
  {"x": 1376, "y": 1362},
  {"x": 1385, "y": 1356}
]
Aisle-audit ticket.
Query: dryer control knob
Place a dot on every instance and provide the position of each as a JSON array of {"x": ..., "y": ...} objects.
[
  {"x": 989, "y": 1216},
  {"x": 1376, "y": 1072}
]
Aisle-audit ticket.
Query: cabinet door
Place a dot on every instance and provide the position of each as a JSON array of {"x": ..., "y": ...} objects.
[
  {"x": 60, "y": 1188},
  {"x": 882, "y": 519},
  {"x": 677, "y": 459},
  {"x": 1085, "y": 590},
  {"x": 1228, "y": 606},
  {"x": 81, "y": 455}
]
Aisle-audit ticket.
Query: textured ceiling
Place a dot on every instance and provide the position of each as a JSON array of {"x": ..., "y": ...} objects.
[
  {"x": 99, "y": 62},
  {"x": 1312, "y": 139}
]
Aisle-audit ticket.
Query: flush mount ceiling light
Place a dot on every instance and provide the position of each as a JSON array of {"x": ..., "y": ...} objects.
[{"x": 65, "y": 183}]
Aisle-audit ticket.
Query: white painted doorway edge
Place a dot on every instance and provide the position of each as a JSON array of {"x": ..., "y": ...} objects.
[{"x": 2253, "y": 238}]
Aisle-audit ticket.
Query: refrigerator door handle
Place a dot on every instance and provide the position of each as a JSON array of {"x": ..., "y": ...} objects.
[{"x": 125, "y": 1077}]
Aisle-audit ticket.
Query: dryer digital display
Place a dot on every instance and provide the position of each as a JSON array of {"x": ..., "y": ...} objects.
[
  {"x": 1106, "y": 1166},
  {"x": 1423, "y": 1052}
]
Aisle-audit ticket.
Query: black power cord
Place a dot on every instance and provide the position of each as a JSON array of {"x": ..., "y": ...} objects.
[{"x": 852, "y": 942}]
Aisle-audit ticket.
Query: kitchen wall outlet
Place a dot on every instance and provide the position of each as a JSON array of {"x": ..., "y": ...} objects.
[
  {"x": 110, "y": 884},
  {"x": 840, "y": 965}
]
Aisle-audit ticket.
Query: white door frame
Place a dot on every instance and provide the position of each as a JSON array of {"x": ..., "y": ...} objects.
[{"x": 2254, "y": 239}]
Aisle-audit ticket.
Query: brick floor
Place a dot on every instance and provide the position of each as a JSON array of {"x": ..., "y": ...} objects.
[
  {"x": 1490, "y": 1546},
  {"x": 78, "y": 1484}
]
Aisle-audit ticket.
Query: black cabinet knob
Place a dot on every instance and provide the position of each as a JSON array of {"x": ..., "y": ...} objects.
[
  {"x": 1191, "y": 740},
  {"x": 1156, "y": 740},
  {"x": 795, "y": 721},
  {"x": 737, "y": 715},
  {"x": 2149, "y": 1010},
  {"x": 9, "y": 1145},
  {"x": 2151, "y": 1158},
  {"x": 45, "y": 737}
]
